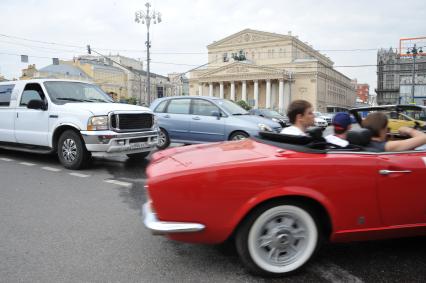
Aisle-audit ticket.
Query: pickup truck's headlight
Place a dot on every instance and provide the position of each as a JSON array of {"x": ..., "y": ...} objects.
[
  {"x": 264, "y": 127},
  {"x": 276, "y": 120},
  {"x": 155, "y": 125},
  {"x": 97, "y": 123}
]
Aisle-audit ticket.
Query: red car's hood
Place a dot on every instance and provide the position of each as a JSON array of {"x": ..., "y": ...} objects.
[{"x": 209, "y": 155}]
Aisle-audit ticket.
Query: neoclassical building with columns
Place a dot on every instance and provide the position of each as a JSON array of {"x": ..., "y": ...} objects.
[{"x": 268, "y": 70}]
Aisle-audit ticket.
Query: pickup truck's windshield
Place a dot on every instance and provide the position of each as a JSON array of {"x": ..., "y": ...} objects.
[{"x": 68, "y": 92}]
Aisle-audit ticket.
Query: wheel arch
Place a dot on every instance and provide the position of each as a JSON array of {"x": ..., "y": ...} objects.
[
  {"x": 235, "y": 131},
  {"x": 58, "y": 132}
]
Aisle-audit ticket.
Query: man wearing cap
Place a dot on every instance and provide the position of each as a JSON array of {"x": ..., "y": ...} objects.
[{"x": 342, "y": 124}]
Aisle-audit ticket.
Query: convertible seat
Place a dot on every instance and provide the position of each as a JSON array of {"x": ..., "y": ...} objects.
[{"x": 360, "y": 137}]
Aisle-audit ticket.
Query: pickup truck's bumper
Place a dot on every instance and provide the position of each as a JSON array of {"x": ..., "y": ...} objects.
[{"x": 110, "y": 143}]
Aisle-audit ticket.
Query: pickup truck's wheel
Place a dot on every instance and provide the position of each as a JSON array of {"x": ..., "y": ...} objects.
[
  {"x": 72, "y": 152},
  {"x": 163, "y": 139},
  {"x": 277, "y": 239},
  {"x": 138, "y": 156}
]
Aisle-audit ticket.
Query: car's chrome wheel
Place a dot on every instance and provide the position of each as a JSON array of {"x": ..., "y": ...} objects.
[
  {"x": 238, "y": 136},
  {"x": 279, "y": 239},
  {"x": 163, "y": 139},
  {"x": 69, "y": 150}
]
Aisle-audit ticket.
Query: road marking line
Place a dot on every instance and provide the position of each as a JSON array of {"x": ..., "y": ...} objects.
[
  {"x": 115, "y": 182},
  {"x": 6, "y": 159},
  {"x": 79, "y": 175},
  {"x": 27, "y": 163},
  {"x": 334, "y": 273},
  {"x": 51, "y": 169}
]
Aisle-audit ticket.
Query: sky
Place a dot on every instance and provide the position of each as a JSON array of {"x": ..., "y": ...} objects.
[{"x": 44, "y": 29}]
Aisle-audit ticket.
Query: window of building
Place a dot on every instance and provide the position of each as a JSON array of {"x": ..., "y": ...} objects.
[
  {"x": 5, "y": 94},
  {"x": 225, "y": 57}
]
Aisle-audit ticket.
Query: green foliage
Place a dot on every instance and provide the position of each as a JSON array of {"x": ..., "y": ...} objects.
[
  {"x": 244, "y": 104},
  {"x": 132, "y": 100}
]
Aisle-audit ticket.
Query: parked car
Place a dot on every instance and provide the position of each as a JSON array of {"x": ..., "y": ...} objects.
[
  {"x": 279, "y": 197},
  {"x": 273, "y": 115},
  {"x": 319, "y": 121},
  {"x": 75, "y": 120},
  {"x": 328, "y": 117},
  {"x": 198, "y": 119}
]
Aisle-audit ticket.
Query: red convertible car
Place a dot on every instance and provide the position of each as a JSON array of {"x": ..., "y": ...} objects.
[{"x": 280, "y": 197}]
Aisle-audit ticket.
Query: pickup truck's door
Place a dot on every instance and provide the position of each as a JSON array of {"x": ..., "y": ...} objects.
[
  {"x": 7, "y": 114},
  {"x": 31, "y": 125}
]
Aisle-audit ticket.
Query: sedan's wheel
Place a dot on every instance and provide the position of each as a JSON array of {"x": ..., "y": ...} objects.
[
  {"x": 236, "y": 136},
  {"x": 163, "y": 139},
  {"x": 277, "y": 239},
  {"x": 71, "y": 151}
]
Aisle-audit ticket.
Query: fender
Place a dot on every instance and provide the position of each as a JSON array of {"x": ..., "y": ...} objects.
[
  {"x": 280, "y": 193},
  {"x": 52, "y": 133}
]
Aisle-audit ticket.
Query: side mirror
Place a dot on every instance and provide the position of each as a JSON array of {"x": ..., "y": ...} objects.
[
  {"x": 36, "y": 104},
  {"x": 216, "y": 113}
]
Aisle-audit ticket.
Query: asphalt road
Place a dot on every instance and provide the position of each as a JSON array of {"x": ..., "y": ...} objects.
[{"x": 58, "y": 225}]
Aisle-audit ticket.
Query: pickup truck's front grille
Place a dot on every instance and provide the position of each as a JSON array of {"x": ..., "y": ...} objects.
[{"x": 132, "y": 122}]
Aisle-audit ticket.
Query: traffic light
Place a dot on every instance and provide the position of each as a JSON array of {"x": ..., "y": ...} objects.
[{"x": 89, "y": 51}]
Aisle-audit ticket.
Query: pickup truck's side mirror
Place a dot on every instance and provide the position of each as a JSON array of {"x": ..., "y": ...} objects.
[{"x": 36, "y": 104}]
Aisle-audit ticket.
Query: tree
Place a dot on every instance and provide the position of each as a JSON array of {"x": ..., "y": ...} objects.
[{"x": 243, "y": 104}]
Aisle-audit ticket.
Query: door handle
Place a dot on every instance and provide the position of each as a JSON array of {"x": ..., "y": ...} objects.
[
  {"x": 166, "y": 116},
  {"x": 196, "y": 118},
  {"x": 387, "y": 172}
]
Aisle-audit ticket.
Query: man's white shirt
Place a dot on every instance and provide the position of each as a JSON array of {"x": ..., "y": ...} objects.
[
  {"x": 293, "y": 130},
  {"x": 336, "y": 140}
]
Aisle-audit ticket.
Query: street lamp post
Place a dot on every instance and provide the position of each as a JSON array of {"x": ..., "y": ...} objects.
[
  {"x": 414, "y": 51},
  {"x": 145, "y": 17}
]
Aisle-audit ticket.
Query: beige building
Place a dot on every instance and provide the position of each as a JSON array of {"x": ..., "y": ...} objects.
[{"x": 268, "y": 70}]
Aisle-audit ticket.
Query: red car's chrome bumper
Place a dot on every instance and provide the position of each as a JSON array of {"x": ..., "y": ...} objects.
[{"x": 158, "y": 227}]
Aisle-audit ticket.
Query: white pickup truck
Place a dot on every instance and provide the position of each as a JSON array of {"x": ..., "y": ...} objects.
[{"x": 74, "y": 119}]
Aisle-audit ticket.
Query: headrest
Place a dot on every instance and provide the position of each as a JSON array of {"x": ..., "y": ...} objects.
[
  {"x": 315, "y": 133},
  {"x": 361, "y": 137},
  {"x": 292, "y": 139}
]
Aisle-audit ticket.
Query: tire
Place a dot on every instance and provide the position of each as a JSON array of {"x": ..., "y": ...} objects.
[
  {"x": 72, "y": 152},
  {"x": 139, "y": 155},
  {"x": 238, "y": 135},
  {"x": 277, "y": 239},
  {"x": 163, "y": 139}
]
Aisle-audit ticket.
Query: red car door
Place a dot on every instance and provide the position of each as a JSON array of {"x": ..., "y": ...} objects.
[{"x": 402, "y": 188}]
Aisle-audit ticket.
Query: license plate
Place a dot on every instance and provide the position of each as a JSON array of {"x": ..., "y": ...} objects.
[{"x": 138, "y": 145}]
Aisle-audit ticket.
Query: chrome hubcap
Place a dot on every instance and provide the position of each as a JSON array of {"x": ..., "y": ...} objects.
[
  {"x": 161, "y": 138},
  {"x": 69, "y": 150},
  {"x": 239, "y": 137},
  {"x": 281, "y": 240}
]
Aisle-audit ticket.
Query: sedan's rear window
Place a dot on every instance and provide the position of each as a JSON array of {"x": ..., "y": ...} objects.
[{"x": 179, "y": 106}]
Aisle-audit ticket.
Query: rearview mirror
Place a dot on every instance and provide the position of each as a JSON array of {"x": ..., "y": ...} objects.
[{"x": 36, "y": 104}]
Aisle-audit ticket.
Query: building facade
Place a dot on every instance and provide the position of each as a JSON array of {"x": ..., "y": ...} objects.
[
  {"x": 268, "y": 70},
  {"x": 394, "y": 78}
]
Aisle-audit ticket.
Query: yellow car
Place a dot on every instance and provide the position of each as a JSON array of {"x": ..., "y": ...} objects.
[
  {"x": 413, "y": 116},
  {"x": 400, "y": 119}
]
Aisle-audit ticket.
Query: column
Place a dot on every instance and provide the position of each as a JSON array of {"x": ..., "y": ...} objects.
[
  {"x": 221, "y": 90},
  {"x": 244, "y": 91},
  {"x": 210, "y": 89},
  {"x": 233, "y": 91},
  {"x": 256, "y": 94},
  {"x": 200, "y": 89},
  {"x": 281, "y": 96},
  {"x": 286, "y": 95},
  {"x": 268, "y": 93}
]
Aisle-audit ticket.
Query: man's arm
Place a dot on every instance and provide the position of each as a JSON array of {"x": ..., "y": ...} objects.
[{"x": 418, "y": 138}]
